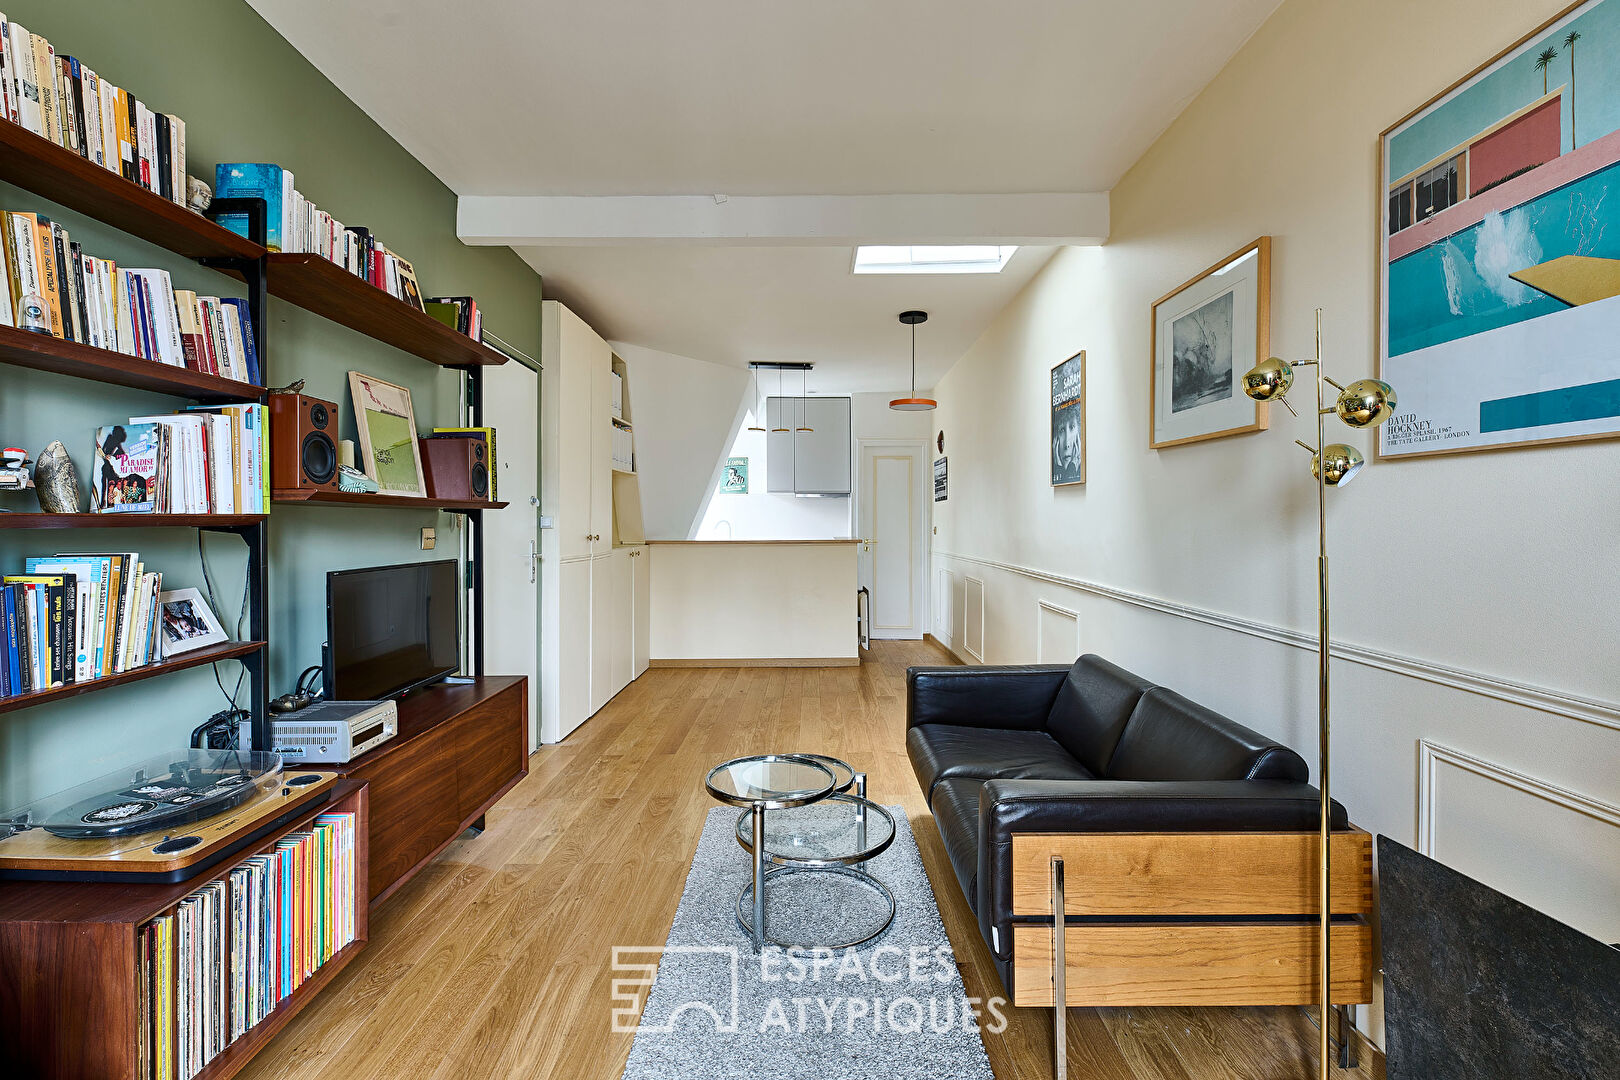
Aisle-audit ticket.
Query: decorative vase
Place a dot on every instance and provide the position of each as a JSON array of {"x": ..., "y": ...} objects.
[{"x": 56, "y": 481}]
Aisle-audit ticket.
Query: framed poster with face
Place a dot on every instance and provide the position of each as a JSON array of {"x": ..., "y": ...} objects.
[
  {"x": 1069, "y": 421},
  {"x": 1499, "y": 249},
  {"x": 1206, "y": 334},
  {"x": 387, "y": 426}
]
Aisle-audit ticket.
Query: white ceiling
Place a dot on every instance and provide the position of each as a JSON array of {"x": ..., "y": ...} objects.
[
  {"x": 770, "y": 97},
  {"x": 781, "y": 303}
]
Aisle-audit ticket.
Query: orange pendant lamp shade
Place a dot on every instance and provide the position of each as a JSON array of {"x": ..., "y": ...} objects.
[{"x": 913, "y": 403}]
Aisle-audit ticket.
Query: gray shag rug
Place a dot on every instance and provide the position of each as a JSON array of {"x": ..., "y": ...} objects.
[{"x": 893, "y": 1007}]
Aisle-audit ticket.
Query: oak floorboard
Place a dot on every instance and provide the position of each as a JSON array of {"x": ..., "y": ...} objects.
[{"x": 494, "y": 962}]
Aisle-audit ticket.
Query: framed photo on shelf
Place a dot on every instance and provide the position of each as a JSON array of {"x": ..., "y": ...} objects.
[
  {"x": 1069, "y": 421},
  {"x": 1206, "y": 334},
  {"x": 1499, "y": 249},
  {"x": 387, "y": 426},
  {"x": 188, "y": 622}
]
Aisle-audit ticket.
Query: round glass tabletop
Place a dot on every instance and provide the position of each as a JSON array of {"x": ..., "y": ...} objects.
[
  {"x": 838, "y": 830},
  {"x": 843, "y": 772},
  {"x": 770, "y": 781}
]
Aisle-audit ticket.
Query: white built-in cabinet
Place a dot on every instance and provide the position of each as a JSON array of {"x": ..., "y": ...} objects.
[
  {"x": 808, "y": 448},
  {"x": 593, "y": 596}
]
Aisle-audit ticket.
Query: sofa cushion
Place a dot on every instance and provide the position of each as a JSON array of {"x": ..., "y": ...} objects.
[
  {"x": 1091, "y": 709},
  {"x": 956, "y": 815},
  {"x": 943, "y": 751},
  {"x": 1171, "y": 738}
]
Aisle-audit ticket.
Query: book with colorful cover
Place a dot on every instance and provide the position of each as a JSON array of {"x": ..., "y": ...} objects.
[
  {"x": 247, "y": 180},
  {"x": 127, "y": 478}
]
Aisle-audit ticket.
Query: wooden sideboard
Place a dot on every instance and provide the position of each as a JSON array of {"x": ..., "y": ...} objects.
[{"x": 460, "y": 747}]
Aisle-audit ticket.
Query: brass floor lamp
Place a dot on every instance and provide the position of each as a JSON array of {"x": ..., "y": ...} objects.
[{"x": 1362, "y": 404}]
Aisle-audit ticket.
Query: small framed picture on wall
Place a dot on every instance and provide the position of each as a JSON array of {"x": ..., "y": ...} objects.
[
  {"x": 1206, "y": 334},
  {"x": 1069, "y": 421}
]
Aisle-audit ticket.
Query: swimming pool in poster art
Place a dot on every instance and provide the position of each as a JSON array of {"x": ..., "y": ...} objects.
[{"x": 1462, "y": 285}]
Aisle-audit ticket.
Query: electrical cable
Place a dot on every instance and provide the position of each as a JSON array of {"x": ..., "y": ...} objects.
[{"x": 241, "y": 613}]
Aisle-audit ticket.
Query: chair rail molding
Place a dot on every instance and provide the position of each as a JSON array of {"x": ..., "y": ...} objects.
[
  {"x": 1432, "y": 755},
  {"x": 1588, "y": 710}
]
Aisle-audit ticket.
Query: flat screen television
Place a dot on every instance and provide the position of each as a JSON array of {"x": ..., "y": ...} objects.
[{"x": 390, "y": 629}]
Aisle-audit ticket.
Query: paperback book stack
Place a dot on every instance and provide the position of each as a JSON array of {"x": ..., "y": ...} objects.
[
  {"x": 53, "y": 287},
  {"x": 63, "y": 100},
  {"x": 294, "y": 224},
  {"x": 236, "y": 947},
  {"x": 74, "y": 618},
  {"x": 207, "y": 460}
]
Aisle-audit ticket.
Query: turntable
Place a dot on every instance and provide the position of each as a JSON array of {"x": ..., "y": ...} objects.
[{"x": 161, "y": 820}]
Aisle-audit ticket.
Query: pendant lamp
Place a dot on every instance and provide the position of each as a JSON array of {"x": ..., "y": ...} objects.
[
  {"x": 803, "y": 382},
  {"x": 754, "y": 402},
  {"x": 913, "y": 403}
]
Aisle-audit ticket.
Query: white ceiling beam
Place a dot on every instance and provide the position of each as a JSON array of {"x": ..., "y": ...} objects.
[{"x": 786, "y": 220}]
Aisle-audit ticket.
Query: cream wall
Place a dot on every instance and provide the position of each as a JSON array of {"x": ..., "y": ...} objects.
[
  {"x": 1475, "y": 595},
  {"x": 773, "y": 600}
]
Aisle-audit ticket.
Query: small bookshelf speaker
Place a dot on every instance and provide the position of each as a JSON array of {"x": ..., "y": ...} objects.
[
  {"x": 456, "y": 466},
  {"x": 303, "y": 451}
]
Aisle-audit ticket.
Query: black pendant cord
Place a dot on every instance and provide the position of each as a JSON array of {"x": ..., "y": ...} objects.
[{"x": 913, "y": 359}]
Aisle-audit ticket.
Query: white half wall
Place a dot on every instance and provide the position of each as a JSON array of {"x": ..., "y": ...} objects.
[
  {"x": 1473, "y": 596},
  {"x": 685, "y": 413}
]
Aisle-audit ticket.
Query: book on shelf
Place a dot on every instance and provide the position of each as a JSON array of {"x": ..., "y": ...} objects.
[
  {"x": 75, "y": 618},
  {"x": 244, "y": 942},
  {"x": 60, "y": 98},
  {"x": 52, "y": 286},
  {"x": 459, "y": 313},
  {"x": 209, "y": 459}
]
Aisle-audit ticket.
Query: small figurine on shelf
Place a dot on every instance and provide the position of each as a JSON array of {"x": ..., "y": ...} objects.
[
  {"x": 57, "y": 481},
  {"x": 14, "y": 471}
]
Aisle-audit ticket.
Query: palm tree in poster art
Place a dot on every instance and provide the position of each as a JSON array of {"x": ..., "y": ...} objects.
[
  {"x": 1543, "y": 62},
  {"x": 1569, "y": 43}
]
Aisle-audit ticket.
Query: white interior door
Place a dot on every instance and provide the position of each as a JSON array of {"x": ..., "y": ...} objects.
[
  {"x": 512, "y": 535},
  {"x": 893, "y": 523}
]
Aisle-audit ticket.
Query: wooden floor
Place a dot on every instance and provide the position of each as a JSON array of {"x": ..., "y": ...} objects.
[{"x": 494, "y": 962}]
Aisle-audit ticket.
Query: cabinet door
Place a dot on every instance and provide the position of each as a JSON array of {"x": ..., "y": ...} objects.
[
  {"x": 490, "y": 740},
  {"x": 576, "y": 353},
  {"x": 601, "y": 448},
  {"x": 601, "y": 635},
  {"x": 640, "y": 612},
  {"x": 413, "y": 805},
  {"x": 621, "y": 660},
  {"x": 779, "y": 444},
  {"x": 574, "y": 645},
  {"x": 823, "y": 453}
]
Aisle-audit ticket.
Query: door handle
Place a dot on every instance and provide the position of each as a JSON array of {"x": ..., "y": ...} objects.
[{"x": 534, "y": 560}]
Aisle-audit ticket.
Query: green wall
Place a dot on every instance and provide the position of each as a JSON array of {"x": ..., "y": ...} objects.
[{"x": 246, "y": 95}]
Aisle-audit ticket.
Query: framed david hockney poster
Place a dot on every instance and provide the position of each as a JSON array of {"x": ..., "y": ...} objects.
[
  {"x": 734, "y": 477},
  {"x": 387, "y": 426},
  {"x": 1069, "y": 421},
  {"x": 1499, "y": 249},
  {"x": 1206, "y": 334}
]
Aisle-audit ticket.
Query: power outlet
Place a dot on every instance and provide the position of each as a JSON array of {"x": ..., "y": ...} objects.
[{"x": 429, "y": 538}]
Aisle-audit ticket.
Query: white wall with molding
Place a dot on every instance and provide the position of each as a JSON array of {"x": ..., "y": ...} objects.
[{"x": 1474, "y": 596}]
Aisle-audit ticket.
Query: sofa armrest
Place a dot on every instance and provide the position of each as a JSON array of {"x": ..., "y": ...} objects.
[
  {"x": 1011, "y": 807},
  {"x": 1017, "y": 697}
]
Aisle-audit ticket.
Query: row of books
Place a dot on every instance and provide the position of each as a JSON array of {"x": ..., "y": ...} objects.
[
  {"x": 237, "y": 946},
  {"x": 53, "y": 287},
  {"x": 623, "y": 449},
  {"x": 210, "y": 459},
  {"x": 459, "y": 313},
  {"x": 63, "y": 100},
  {"x": 73, "y": 618},
  {"x": 294, "y": 224}
]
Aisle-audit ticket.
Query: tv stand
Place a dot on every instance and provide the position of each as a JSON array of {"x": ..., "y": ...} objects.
[{"x": 461, "y": 746}]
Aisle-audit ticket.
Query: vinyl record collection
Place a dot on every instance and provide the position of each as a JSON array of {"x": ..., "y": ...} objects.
[{"x": 237, "y": 946}]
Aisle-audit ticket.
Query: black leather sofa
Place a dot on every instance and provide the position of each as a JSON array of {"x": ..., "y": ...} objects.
[{"x": 1083, "y": 749}]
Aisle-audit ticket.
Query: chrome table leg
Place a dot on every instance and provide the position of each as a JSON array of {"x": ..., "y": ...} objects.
[
  {"x": 860, "y": 812},
  {"x": 1060, "y": 1037},
  {"x": 759, "y": 879}
]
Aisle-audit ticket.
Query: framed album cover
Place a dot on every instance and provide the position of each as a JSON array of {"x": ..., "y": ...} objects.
[
  {"x": 1499, "y": 249},
  {"x": 387, "y": 426},
  {"x": 1206, "y": 334}
]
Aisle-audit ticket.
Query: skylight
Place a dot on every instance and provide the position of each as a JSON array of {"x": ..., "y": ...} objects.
[{"x": 933, "y": 259}]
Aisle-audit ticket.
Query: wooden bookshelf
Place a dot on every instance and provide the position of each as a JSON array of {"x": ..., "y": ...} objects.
[
  {"x": 128, "y": 521},
  {"x": 325, "y": 288},
  {"x": 229, "y": 650},
  {"x": 324, "y": 497},
  {"x": 44, "y": 353},
  {"x": 62, "y": 176},
  {"x": 78, "y": 942}
]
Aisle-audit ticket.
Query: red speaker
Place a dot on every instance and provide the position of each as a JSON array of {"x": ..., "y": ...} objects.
[
  {"x": 455, "y": 466},
  {"x": 303, "y": 450}
]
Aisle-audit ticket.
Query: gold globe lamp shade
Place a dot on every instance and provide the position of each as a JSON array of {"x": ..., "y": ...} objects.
[
  {"x": 1343, "y": 462},
  {"x": 1366, "y": 403},
  {"x": 1268, "y": 379}
]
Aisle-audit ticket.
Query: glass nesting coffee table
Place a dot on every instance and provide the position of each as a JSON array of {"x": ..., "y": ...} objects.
[{"x": 809, "y": 836}]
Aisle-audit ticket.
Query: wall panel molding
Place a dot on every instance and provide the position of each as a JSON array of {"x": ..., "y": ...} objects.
[
  {"x": 973, "y": 620},
  {"x": 1588, "y": 710},
  {"x": 1432, "y": 755}
]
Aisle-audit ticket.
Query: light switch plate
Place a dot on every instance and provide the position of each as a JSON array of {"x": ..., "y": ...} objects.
[
  {"x": 546, "y": 522},
  {"x": 429, "y": 538}
]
